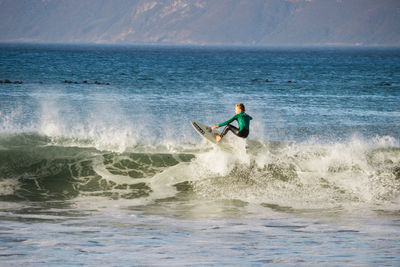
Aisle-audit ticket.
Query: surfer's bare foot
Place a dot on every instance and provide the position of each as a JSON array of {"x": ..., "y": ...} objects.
[{"x": 217, "y": 137}]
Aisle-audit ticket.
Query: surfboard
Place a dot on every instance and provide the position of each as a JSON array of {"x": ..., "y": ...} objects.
[{"x": 207, "y": 133}]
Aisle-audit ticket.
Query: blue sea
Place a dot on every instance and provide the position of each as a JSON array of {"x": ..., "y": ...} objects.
[{"x": 100, "y": 166}]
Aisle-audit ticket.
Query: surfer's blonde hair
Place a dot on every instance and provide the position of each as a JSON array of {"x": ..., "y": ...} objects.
[{"x": 241, "y": 106}]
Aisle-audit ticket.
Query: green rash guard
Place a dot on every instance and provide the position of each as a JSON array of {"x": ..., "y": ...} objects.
[{"x": 243, "y": 120}]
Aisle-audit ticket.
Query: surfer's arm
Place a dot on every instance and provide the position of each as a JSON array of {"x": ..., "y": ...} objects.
[{"x": 228, "y": 121}]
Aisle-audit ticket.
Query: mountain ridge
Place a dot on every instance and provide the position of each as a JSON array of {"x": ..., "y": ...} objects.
[{"x": 203, "y": 22}]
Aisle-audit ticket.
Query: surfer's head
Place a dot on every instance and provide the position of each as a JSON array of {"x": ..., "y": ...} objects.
[{"x": 239, "y": 108}]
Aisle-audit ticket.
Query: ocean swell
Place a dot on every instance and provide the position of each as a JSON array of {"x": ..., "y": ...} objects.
[{"x": 294, "y": 176}]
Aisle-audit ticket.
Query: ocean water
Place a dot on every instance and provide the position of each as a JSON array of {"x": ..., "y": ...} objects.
[{"x": 99, "y": 164}]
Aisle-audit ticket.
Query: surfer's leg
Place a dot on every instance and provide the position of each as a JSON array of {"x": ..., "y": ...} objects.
[
  {"x": 231, "y": 128},
  {"x": 244, "y": 133}
]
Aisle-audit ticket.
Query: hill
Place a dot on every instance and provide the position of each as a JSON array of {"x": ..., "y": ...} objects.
[{"x": 202, "y": 22}]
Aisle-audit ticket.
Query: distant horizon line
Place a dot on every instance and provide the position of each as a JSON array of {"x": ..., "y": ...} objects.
[{"x": 338, "y": 45}]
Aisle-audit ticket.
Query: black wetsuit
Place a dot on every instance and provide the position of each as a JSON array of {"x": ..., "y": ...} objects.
[{"x": 244, "y": 125}]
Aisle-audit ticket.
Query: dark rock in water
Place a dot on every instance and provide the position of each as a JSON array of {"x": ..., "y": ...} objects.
[
  {"x": 101, "y": 83},
  {"x": 267, "y": 80},
  {"x": 255, "y": 80},
  {"x": 385, "y": 84},
  {"x": 85, "y": 82},
  {"x": 122, "y": 73},
  {"x": 11, "y": 82},
  {"x": 291, "y": 81}
]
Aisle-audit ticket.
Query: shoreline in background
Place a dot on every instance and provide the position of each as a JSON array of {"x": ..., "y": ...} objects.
[{"x": 208, "y": 46}]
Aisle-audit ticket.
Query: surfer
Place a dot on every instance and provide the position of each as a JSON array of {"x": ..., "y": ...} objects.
[{"x": 243, "y": 121}]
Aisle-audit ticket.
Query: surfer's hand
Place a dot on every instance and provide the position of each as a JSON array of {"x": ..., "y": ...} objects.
[{"x": 214, "y": 127}]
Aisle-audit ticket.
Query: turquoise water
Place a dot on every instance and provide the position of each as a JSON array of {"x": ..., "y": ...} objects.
[{"x": 100, "y": 165}]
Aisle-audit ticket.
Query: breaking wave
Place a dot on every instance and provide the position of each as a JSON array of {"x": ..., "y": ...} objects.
[{"x": 288, "y": 176}]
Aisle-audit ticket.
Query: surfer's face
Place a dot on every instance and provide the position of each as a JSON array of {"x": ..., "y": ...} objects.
[{"x": 237, "y": 109}]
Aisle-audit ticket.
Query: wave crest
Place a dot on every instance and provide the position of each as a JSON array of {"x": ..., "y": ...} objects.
[{"x": 295, "y": 175}]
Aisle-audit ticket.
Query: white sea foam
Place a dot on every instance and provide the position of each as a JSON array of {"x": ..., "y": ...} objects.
[
  {"x": 305, "y": 176},
  {"x": 8, "y": 186},
  {"x": 308, "y": 175}
]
